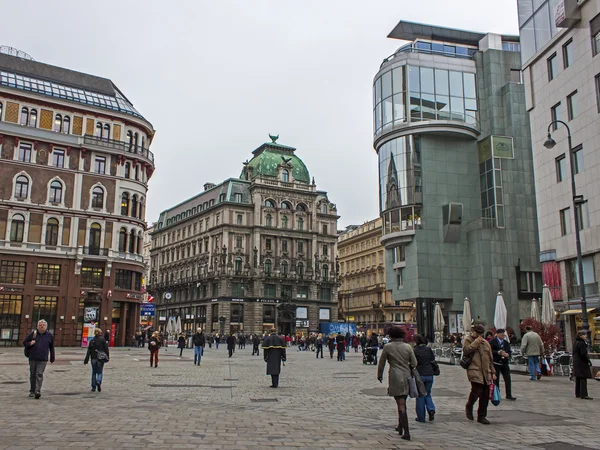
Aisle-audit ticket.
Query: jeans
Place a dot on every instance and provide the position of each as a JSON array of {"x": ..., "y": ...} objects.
[
  {"x": 97, "y": 368},
  {"x": 374, "y": 353},
  {"x": 533, "y": 362},
  {"x": 36, "y": 375},
  {"x": 427, "y": 401},
  {"x": 319, "y": 350},
  {"x": 341, "y": 355},
  {"x": 198, "y": 350}
]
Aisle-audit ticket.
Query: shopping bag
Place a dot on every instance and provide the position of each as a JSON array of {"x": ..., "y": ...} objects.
[
  {"x": 492, "y": 387},
  {"x": 545, "y": 367},
  {"x": 412, "y": 388},
  {"x": 496, "y": 396}
]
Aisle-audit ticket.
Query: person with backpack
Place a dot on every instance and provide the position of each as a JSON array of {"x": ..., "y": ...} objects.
[
  {"x": 37, "y": 345},
  {"x": 97, "y": 351}
]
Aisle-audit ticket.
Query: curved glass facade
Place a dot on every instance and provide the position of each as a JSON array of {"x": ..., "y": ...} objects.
[{"x": 435, "y": 94}]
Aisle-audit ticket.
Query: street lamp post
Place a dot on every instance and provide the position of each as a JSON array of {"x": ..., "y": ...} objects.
[{"x": 577, "y": 202}]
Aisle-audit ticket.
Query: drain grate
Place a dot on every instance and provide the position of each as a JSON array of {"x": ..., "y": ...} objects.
[
  {"x": 344, "y": 378},
  {"x": 263, "y": 400},
  {"x": 14, "y": 382}
]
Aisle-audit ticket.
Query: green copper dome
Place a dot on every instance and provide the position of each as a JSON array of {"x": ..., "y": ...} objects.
[{"x": 267, "y": 159}]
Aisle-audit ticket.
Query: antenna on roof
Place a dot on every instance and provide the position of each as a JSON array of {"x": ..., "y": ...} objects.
[{"x": 7, "y": 50}]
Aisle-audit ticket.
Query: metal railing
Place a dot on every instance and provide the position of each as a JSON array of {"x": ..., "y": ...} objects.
[
  {"x": 410, "y": 49},
  {"x": 119, "y": 145},
  {"x": 95, "y": 251}
]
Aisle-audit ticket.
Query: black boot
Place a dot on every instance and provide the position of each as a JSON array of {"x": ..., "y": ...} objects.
[
  {"x": 404, "y": 421},
  {"x": 399, "y": 428}
]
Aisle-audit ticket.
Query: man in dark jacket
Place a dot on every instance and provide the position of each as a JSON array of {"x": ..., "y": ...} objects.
[
  {"x": 274, "y": 352},
  {"x": 582, "y": 368},
  {"x": 38, "y": 343},
  {"x": 199, "y": 342},
  {"x": 256, "y": 345},
  {"x": 501, "y": 351},
  {"x": 230, "y": 344},
  {"x": 341, "y": 347}
]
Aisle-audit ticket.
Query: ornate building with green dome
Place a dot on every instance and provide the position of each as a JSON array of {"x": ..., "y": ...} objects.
[{"x": 250, "y": 253}]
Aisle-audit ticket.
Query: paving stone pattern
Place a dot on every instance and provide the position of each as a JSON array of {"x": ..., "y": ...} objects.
[{"x": 228, "y": 404}]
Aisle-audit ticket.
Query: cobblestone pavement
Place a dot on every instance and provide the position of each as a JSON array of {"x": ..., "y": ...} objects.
[{"x": 227, "y": 404}]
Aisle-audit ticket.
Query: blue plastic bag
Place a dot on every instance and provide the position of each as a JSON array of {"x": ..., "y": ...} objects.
[{"x": 496, "y": 396}]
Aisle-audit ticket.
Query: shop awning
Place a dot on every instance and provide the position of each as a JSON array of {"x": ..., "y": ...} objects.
[{"x": 573, "y": 312}]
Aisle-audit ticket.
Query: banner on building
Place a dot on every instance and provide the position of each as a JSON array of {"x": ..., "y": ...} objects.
[{"x": 331, "y": 327}]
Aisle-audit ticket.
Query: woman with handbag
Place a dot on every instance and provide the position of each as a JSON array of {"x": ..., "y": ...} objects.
[
  {"x": 427, "y": 367},
  {"x": 402, "y": 359},
  {"x": 98, "y": 352},
  {"x": 181, "y": 344}
]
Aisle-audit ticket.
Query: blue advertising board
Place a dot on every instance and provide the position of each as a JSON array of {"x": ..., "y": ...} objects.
[
  {"x": 332, "y": 327},
  {"x": 148, "y": 309}
]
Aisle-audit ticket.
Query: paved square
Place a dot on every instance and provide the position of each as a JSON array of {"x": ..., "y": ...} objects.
[{"x": 227, "y": 404}]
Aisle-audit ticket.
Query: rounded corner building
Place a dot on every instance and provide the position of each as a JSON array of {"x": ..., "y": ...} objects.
[{"x": 456, "y": 175}]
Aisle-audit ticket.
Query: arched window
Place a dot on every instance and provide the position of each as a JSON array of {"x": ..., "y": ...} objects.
[
  {"x": 33, "y": 118},
  {"x": 123, "y": 240},
  {"x": 56, "y": 188},
  {"x": 269, "y": 220},
  {"x": 137, "y": 172},
  {"x": 285, "y": 205},
  {"x": 58, "y": 123},
  {"x": 300, "y": 269},
  {"x": 135, "y": 141},
  {"x": 301, "y": 207},
  {"x": 52, "y": 232},
  {"x": 284, "y": 222},
  {"x": 323, "y": 208},
  {"x": 66, "y": 126},
  {"x": 98, "y": 132},
  {"x": 268, "y": 267},
  {"x": 284, "y": 269},
  {"x": 22, "y": 187},
  {"x": 238, "y": 266},
  {"x": 17, "y": 227},
  {"x": 269, "y": 204},
  {"x": 95, "y": 238},
  {"x": 300, "y": 223},
  {"x": 24, "y": 116},
  {"x": 132, "y": 245},
  {"x": 285, "y": 176},
  {"x": 130, "y": 140},
  {"x": 134, "y": 206},
  {"x": 98, "y": 197},
  {"x": 325, "y": 272},
  {"x": 127, "y": 170},
  {"x": 124, "y": 204},
  {"x": 106, "y": 132}
]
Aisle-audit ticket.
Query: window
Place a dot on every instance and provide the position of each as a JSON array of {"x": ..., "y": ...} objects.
[
  {"x": 325, "y": 294},
  {"x": 58, "y": 158},
  {"x": 95, "y": 238},
  {"x": 48, "y": 275},
  {"x": 66, "y": 126},
  {"x": 325, "y": 272},
  {"x": 556, "y": 114},
  {"x": 399, "y": 254},
  {"x": 136, "y": 173},
  {"x": 237, "y": 197},
  {"x": 106, "y": 131},
  {"x": 595, "y": 34},
  {"x": 578, "y": 158},
  {"x": 238, "y": 266},
  {"x": 100, "y": 164},
  {"x": 127, "y": 170},
  {"x": 567, "y": 51},
  {"x": 268, "y": 267},
  {"x": 238, "y": 242},
  {"x": 285, "y": 205},
  {"x": 270, "y": 290},
  {"x": 98, "y": 197},
  {"x": 124, "y": 204},
  {"x": 57, "y": 123},
  {"x": 269, "y": 220},
  {"x": 284, "y": 222},
  {"x": 123, "y": 241},
  {"x": 25, "y": 152},
  {"x": 325, "y": 249},
  {"x": 565, "y": 223},
  {"x": 45, "y": 308},
  {"x": 300, "y": 223},
  {"x": 12, "y": 272},
  {"x": 17, "y": 228},
  {"x": 215, "y": 290},
  {"x": 515, "y": 76},
  {"x": 301, "y": 207},
  {"x": 98, "y": 131},
  {"x": 22, "y": 187},
  {"x": 56, "y": 188},
  {"x": 92, "y": 277},
  {"x": 324, "y": 209},
  {"x": 399, "y": 281},
  {"x": 561, "y": 168},
  {"x": 572, "y": 105},
  {"x": 597, "y": 83},
  {"x": 284, "y": 269},
  {"x": 123, "y": 279},
  {"x": 285, "y": 176},
  {"x": 269, "y": 204},
  {"x": 134, "y": 207},
  {"x": 284, "y": 245},
  {"x": 137, "y": 281},
  {"x": 300, "y": 247},
  {"x": 589, "y": 276},
  {"x": 52, "y": 232},
  {"x": 552, "y": 67},
  {"x": 269, "y": 314},
  {"x": 300, "y": 270},
  {"x": 583, "y": 216},
  {"x": 302, "y": 292},
  {"x": 132, "y": 243},
  {"x": 237, "y": 289},
  {"x": 239, "y": 219},
  {"x": 33, "y": 118}
]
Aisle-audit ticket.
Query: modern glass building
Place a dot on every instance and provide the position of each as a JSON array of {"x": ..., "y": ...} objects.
[{"x": 455, "y": 168}]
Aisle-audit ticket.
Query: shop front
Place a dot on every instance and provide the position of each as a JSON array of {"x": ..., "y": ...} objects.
[
  {"x": 124, "y": 318},
  {"x": 11, "y": 305},
  {"x": 574, "y": 322}
]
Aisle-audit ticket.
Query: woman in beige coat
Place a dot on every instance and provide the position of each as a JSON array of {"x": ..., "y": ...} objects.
[
  {"x": 481, "y": 373},
  {"x": 401, "y": 358}
]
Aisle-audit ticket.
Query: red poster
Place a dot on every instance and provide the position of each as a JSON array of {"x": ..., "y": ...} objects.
[{"x": 113, "y": 331}]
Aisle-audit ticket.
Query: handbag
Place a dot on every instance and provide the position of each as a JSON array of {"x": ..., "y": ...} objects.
[
  {"x": 465, "y": 362},
  {"x": 495, "y": 398},
  {"x": 436, "y": 368},
  {"x": 28, "y": 348},
  {"x": 412, "y": 387},
  {"x": 101, "y": 356},
  {"x": 421, "y": 390}
]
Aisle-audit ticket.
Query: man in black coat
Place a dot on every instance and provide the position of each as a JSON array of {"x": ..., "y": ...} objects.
[
  {"x": 199, "y": 341},
  {"x": 501, "y": 351},
  {"x": 38, "y": 344},
  {"x": 581, "y": 366},
  {"x": 230, "y": 344},
  {"x": 256, "y": 345},
  {"x": 274, "y": 352}
]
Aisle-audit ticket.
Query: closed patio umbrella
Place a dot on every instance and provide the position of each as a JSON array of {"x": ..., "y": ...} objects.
[
  {"x": 500, "y": 314},
  {"x": 548, "y": 313},
  {"x": 467, "y": 317},
  {"x": 438, "y": 324},
  {"x": 535, "y": 310},
  {"x": 178, "y": 325}
]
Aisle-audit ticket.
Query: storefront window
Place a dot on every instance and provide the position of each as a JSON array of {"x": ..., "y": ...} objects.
[
  {"x": 10, "y": 318},
  {"x": 45, "y": 308}
]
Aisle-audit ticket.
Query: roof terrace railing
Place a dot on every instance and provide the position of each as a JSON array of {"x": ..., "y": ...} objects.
[
  {"x": 119, "y": 145},
  {"x": 410, "y": 49}
]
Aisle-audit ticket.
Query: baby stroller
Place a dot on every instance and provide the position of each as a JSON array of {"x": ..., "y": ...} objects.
[{"x": 368, "y": 357}]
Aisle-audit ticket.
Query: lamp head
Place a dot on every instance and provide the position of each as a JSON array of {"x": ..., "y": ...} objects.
[{"x": 550, "y": 143}]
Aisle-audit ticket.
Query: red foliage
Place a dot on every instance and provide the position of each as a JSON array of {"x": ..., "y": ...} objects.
[{"x": 550, "y": 334}]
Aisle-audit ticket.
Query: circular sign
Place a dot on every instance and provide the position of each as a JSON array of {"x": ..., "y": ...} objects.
[{"x": 168, "y": 295}]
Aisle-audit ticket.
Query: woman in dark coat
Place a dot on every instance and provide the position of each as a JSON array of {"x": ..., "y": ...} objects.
[
  {"x": 425, "y": 357},
  {"x": 331, "y": 344},
  {"x": 581, "y": 366},
  {"x": 181, "y": 344},
  {"x": 274, "y": 353},
  {"x": 97, "y": 344}
]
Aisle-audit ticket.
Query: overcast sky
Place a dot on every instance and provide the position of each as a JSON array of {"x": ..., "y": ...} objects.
[{"x": 215, "y": 78}]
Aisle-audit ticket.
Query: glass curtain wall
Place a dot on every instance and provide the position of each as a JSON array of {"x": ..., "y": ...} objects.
[{"x": 536, "y": 25}]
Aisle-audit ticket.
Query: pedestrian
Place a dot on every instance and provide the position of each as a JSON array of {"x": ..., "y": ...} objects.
[
  {"x": 341, "y": 347},
  {"x": 532, "y": 347},
  {"x": 97, "y": 351},
  {"x": 331, "y": 344},
  {"x": 199, "y": 342},
  {"x": 256, "y": 345},
  {"x": 355, "y": 343},
  {"x": 107, "y": 337},
  {"x": 363, "y": 342},
  {"x": 181, "y": 344},
  {"x": 581, "y": 366},
  {"x": 37, "y": 345},
  {"x": 501, "y": 351},
  {"x": 154, "y": 345},
  {"x": 348, "y": 339},
  {"x": 319, "y": 345},
  {"x": 489, "y": 336},
  {"x": 230, "y": 344},
  {"x": 217, "y": 337},
  {"x": 481, "y": 373},
  {"x": 373, "y": 344},
  {"x": 425, "y": 358},
  {"x": 210, "y": 340},
  {"x": 401, "y": 357},
  {"x": 274, "y": 353}
]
